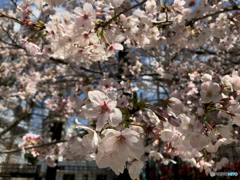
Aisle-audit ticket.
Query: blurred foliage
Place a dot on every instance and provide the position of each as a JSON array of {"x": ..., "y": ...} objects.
[{"x": 31, "y": 159}]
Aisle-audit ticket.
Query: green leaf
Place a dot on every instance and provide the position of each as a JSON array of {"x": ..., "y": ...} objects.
[
  {"x": 135, "y": 99},
  {"x": 88, "y": 80},
  {"x": 142, "y": 105}
]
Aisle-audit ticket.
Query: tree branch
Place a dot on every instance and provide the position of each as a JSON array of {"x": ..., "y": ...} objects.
[
  {"x": 82, "y": 68},
  {"x": 33, "y": 23},
  {"x": 12, "y": 18},
  {"x": 122, "y": 12},
  {"x": 212, "y": 14},
  {"x": 30, "y": 147},
  {"x": 233, "y": 3},
  {"x": 14, "y": 124}
]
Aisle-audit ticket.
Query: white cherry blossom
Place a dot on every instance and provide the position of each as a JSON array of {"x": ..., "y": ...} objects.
[
  {"x": 210, "y": 92},
  {"x": 103, "y": 108}
]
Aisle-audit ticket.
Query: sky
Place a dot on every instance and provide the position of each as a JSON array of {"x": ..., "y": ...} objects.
[{"x": 2, "y": 2}]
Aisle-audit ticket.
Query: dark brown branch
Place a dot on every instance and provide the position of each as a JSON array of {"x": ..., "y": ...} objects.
[
  {"x": 122, "y": 12},
  {"x": 30, "y": 147},
  {"x": 192, "y": 21},
  {"x": 233, "y": 3},
  {"x": 33, "y": 23},
  {"x": 12, "y": 18},
  {"x": 14, "y": 3},
  {"x": 14, "y": 124},
  {"x": 58, "y": 60},
  {"x": 82, "y": 68},
  {"x": 15, "y": 45}
]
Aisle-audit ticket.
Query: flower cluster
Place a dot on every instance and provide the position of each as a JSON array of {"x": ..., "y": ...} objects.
[
  {"x": 91, "y": 60},
  {"x": 49, "y": 154}
]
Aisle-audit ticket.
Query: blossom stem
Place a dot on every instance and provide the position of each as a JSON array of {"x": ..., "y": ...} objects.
[
  {"x": 208, "y": 123},
  {"x": 218, "y": 110},
  {"x": 106, "y": 39}
]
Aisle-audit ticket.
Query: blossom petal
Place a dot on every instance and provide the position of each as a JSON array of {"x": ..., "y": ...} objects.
[
  {"x": 111, "y": 104},
  {"x": 91, "y": 110},
  {"x": 97, "y": 97},
  {"x": 118, "y": 46},
  {"x": 102, "y": 120},
  {"x": 116, "y": 3},
  {"x": 88, "y": 8},
  {"x": 135, "y": 169},
  {"x": 115, "y": 117}
]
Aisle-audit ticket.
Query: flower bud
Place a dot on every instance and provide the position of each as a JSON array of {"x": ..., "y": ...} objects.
[
  {"x": 40, "y": 22},
  {"x": 206, "y": 77},
  {"x": 173, "y": 121},
  {"x": 165, "y": 114},
  {"x": 98, "y": 14},
  {"x": 175, "y": 104},
  {"x": 192, "y": 3},
  {"x": 122, "y": 17},
  {"x": 100, "y": 10},
  {"x": 112, "y": 12},
  {"x": 200, "y": 111},
  {"x": 155, "y": 143}
]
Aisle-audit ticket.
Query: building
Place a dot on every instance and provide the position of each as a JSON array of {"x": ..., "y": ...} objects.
[{"x": 84, "y": 170}]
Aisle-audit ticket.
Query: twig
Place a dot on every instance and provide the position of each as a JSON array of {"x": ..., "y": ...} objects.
[
  {"x": 33, "y": 23},
  {"x": 14, "y": 3},
  {"x": 30, "y": 147},
  {"x": 14, "y": 124},
  {"x": 15, "y": 45},
  {"x": 58, "y": 60},
  {"x": 233, "y": 3},
  {"x": 10, "y": 17},
  {"x": 212, "y": 14},
  {"x": 122, "y": 12}
]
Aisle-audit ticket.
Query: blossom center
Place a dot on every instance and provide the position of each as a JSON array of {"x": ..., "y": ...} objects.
[
  {"x": 85, "y": 16},
  {"x": 120, "y": 140},
  {"x": 209, "y": 94},
  {"x": 104, "y": 107}
]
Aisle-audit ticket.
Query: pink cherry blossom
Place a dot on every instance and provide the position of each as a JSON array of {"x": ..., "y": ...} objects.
[
  {"x": 210, "y": 92},
  {"x": 103, "y": 108},
  {"x": 85, "y": 16}
]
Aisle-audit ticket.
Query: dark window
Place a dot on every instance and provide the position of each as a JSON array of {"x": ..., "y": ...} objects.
[
  {"x": 68, "y": 176},
  {"x": 101, "y": 177},
  {"x": 85, "y": 177}
]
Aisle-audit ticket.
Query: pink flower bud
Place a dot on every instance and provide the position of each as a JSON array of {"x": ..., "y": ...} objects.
[
  {"x": 200, "y": 111},
  {"x": 165, "y": 114},
  {"x": 112, "y": 12},
  {"x": 100, "y": 10},
  {"x": 155, "y": 143},
  {"x": 175, "y": 104},
  {"x": 122, "y": 17},
  {"x": 98, "y": 14},
  {"x": 173, "y": 121},
  {"x": 236, "y": 132},
  {"x": 192, "y": 3}
]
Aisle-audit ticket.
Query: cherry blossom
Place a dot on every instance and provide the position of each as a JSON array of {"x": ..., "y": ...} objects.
[
  {"x": 210, "y": 92},
  {"x": 107, "y": 61},
  {"x": 103, "y": 107}
]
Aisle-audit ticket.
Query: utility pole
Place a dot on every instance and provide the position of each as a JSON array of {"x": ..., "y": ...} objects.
[{"x": 56, "y": 131}]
